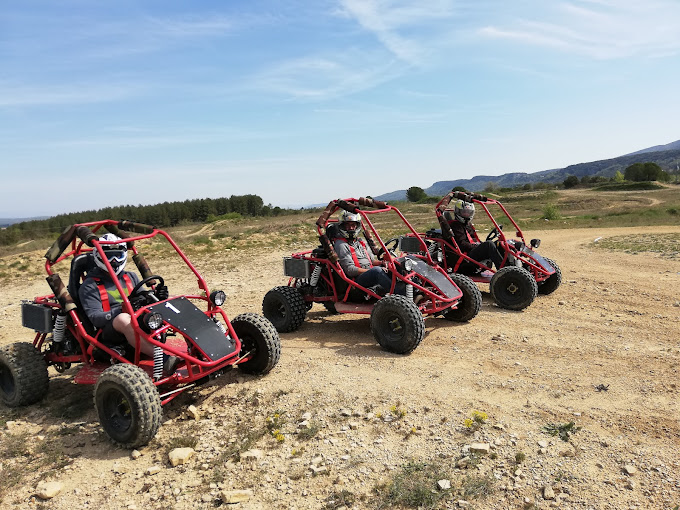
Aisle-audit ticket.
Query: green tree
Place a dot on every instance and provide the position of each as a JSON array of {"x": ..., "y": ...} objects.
[
  {"x": 570, "y": 181},
  {"x": 415, "y": 194},
  {"x": 645, "y": 172},
  {"x": 618, "y": 177}
]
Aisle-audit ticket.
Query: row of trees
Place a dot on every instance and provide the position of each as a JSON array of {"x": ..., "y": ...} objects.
[
  {"x": 637, "y": 172},
  {"x": 167, "y": 214}
]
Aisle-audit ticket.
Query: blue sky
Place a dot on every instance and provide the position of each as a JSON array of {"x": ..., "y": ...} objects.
[{"x": 300, "y": 102}]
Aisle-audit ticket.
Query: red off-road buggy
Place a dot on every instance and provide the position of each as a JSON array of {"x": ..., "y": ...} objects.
[
  {"x": 523, "y": 274},
  {"x": 396, "y": 320},
  {"x": 128, "y": 395}
]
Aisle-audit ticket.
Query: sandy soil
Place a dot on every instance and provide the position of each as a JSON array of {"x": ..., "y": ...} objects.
[{"x": 614, "y": 322}]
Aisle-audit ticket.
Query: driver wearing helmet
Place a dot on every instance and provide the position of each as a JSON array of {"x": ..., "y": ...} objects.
[
  {"x": 355, "y": 258},
  {"x": 101, "y": 301},
  {"x": 466, "y": 237}
]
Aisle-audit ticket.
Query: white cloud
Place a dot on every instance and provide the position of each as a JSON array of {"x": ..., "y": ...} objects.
[
  {"x": 598, "y": 29},
  {"x": 387, "y": 18}
]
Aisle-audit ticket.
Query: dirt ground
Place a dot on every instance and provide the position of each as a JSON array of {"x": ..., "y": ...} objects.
[{"x": 602, "y": 352}]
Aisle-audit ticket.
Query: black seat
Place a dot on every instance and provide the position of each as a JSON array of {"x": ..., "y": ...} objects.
[{"x": 80, "y": 266}]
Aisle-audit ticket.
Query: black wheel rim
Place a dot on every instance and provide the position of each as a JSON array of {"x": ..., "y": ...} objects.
[
  {"x": 394, "y": 330},
  {"x": 118, "y": 412},
  {"x": 7, "y": 384},
  {"x": 512, "y": 291}
]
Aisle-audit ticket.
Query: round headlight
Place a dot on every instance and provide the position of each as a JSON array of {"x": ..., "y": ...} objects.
[
  {"x": 408, "y": 265},
  {"x": 153, "y": 320},
  {"x": 218, "y": 297}
]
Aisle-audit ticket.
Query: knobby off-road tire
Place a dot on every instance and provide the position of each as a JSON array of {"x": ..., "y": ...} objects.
[
  {"x": 128, "y": 405},
  {"x": 471, "y": 302},
  {"x": 397, "y": 324},
  {"x": 23, "y": 375},
  {"x": 258, "y": 336},
  {"x": 550, "y": 285},
  {"x": 513, "y": 288},
  {"x": 285, "y": 308}
]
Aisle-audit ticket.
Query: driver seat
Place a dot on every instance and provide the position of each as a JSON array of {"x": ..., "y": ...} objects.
[{"x": 80, "y": 266}]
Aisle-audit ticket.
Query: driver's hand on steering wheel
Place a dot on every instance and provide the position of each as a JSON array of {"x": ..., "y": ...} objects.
[{"x": 162, "y": 292}]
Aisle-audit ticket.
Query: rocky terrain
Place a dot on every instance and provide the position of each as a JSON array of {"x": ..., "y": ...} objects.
[{"x": 570, "y": 404}]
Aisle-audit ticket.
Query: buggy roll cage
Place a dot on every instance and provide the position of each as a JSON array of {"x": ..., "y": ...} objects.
[
  {"x": 435, "y": 304},
  {"x": 81, "y": 238},
  {"x": 481, "y": 200}
]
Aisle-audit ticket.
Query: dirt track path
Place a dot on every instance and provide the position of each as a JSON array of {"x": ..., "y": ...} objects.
[{"x": 613, "y": 322}]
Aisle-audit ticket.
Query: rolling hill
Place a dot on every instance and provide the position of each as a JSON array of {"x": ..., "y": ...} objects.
[{"x": 666, "y": 156}]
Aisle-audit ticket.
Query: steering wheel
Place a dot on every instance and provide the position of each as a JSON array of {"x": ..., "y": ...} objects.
[
  {"x": 493, "y": 235},
  {"x": 136, "y": 293},
  {"x": 391, "y": 246}
]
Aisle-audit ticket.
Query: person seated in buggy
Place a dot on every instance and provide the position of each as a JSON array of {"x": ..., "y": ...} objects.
[
  {"x": 357, "y": 261},
  {"x": 101, "y": 300},
  {"x": 466, "y": 237}
]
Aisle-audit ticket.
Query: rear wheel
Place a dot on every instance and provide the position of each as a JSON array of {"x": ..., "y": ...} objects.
[
  {"x": 285, "y": 308},
  {"x": 471, "y": 302},
  {"x": 259, "y": 337},
  {"x": 23, "y": 375},
  {"x": 128, "y": 405},
  {"x": 554, "y": 280},
  {"x": 397, "y": 324},
  {"x": 513, "y": 288}
]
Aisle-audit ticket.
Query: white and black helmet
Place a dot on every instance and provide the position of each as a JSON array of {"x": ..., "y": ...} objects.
[
  {"x": 116, "y": 253},
  {"x": 463, "y": 211},
  {"x": 349, "y": 217}
]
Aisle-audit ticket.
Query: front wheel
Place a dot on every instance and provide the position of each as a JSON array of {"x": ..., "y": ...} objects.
[
  {"x": 128, "y": 405},
  {"x": 285, "y": 308},
  {"x": 513, "y": 288},
  {"x": 471, "y": 302},
  {"x": 23, "y": 375},
  {"x": 258, "y": 337},
  {"x": 397, "y": 324},
  {"x": 554, "y": 280}
]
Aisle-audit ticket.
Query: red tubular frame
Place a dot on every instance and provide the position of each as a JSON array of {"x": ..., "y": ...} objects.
[
  {"x": 539, "y": 273},
  {"x": 195, "y": 368},
  {"x": 435, "y": 303}
]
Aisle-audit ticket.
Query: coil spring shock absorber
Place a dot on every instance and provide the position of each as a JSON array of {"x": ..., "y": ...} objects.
[
  {"x": 59, "y": 326},
  {"x": 314, "y": 279}
]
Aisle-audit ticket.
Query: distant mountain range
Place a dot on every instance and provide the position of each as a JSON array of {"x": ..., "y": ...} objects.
[
  {"x": 6, "y": 222},
  {"x": 666, "y": 156}
]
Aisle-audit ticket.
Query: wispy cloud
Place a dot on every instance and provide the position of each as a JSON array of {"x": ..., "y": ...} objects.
[
  {"x": 325, "y": 77},
  {"x": 399, "y": 25},
  {"x": 83, "y": 93},
  {"x": 598, "y": 29}
]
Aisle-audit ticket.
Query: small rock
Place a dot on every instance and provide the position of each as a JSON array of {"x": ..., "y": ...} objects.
[
  {"x": 345, "y": 412},
  {"x": 252, "y": 455},
  {"x": 629, "y": 469},
  {"x": 152, "y": 470},
  {"x": 321, "y": 470},
  {"x": 548, "y": 492},
  {"x": 543, "y": 444},
  {"x": 135, "y": 454},
  {"x": 192, "y": 412},
  {"x": 180, "y": 456},
  {"x": 48, "y": 490},
  {"x": 444, "y": 485},
  {"x": 480, "y": 447},
  {"x": 353, "y": 425},
  {"x": 463, "y": 462},
  {"x": 236, "y": 496}
]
